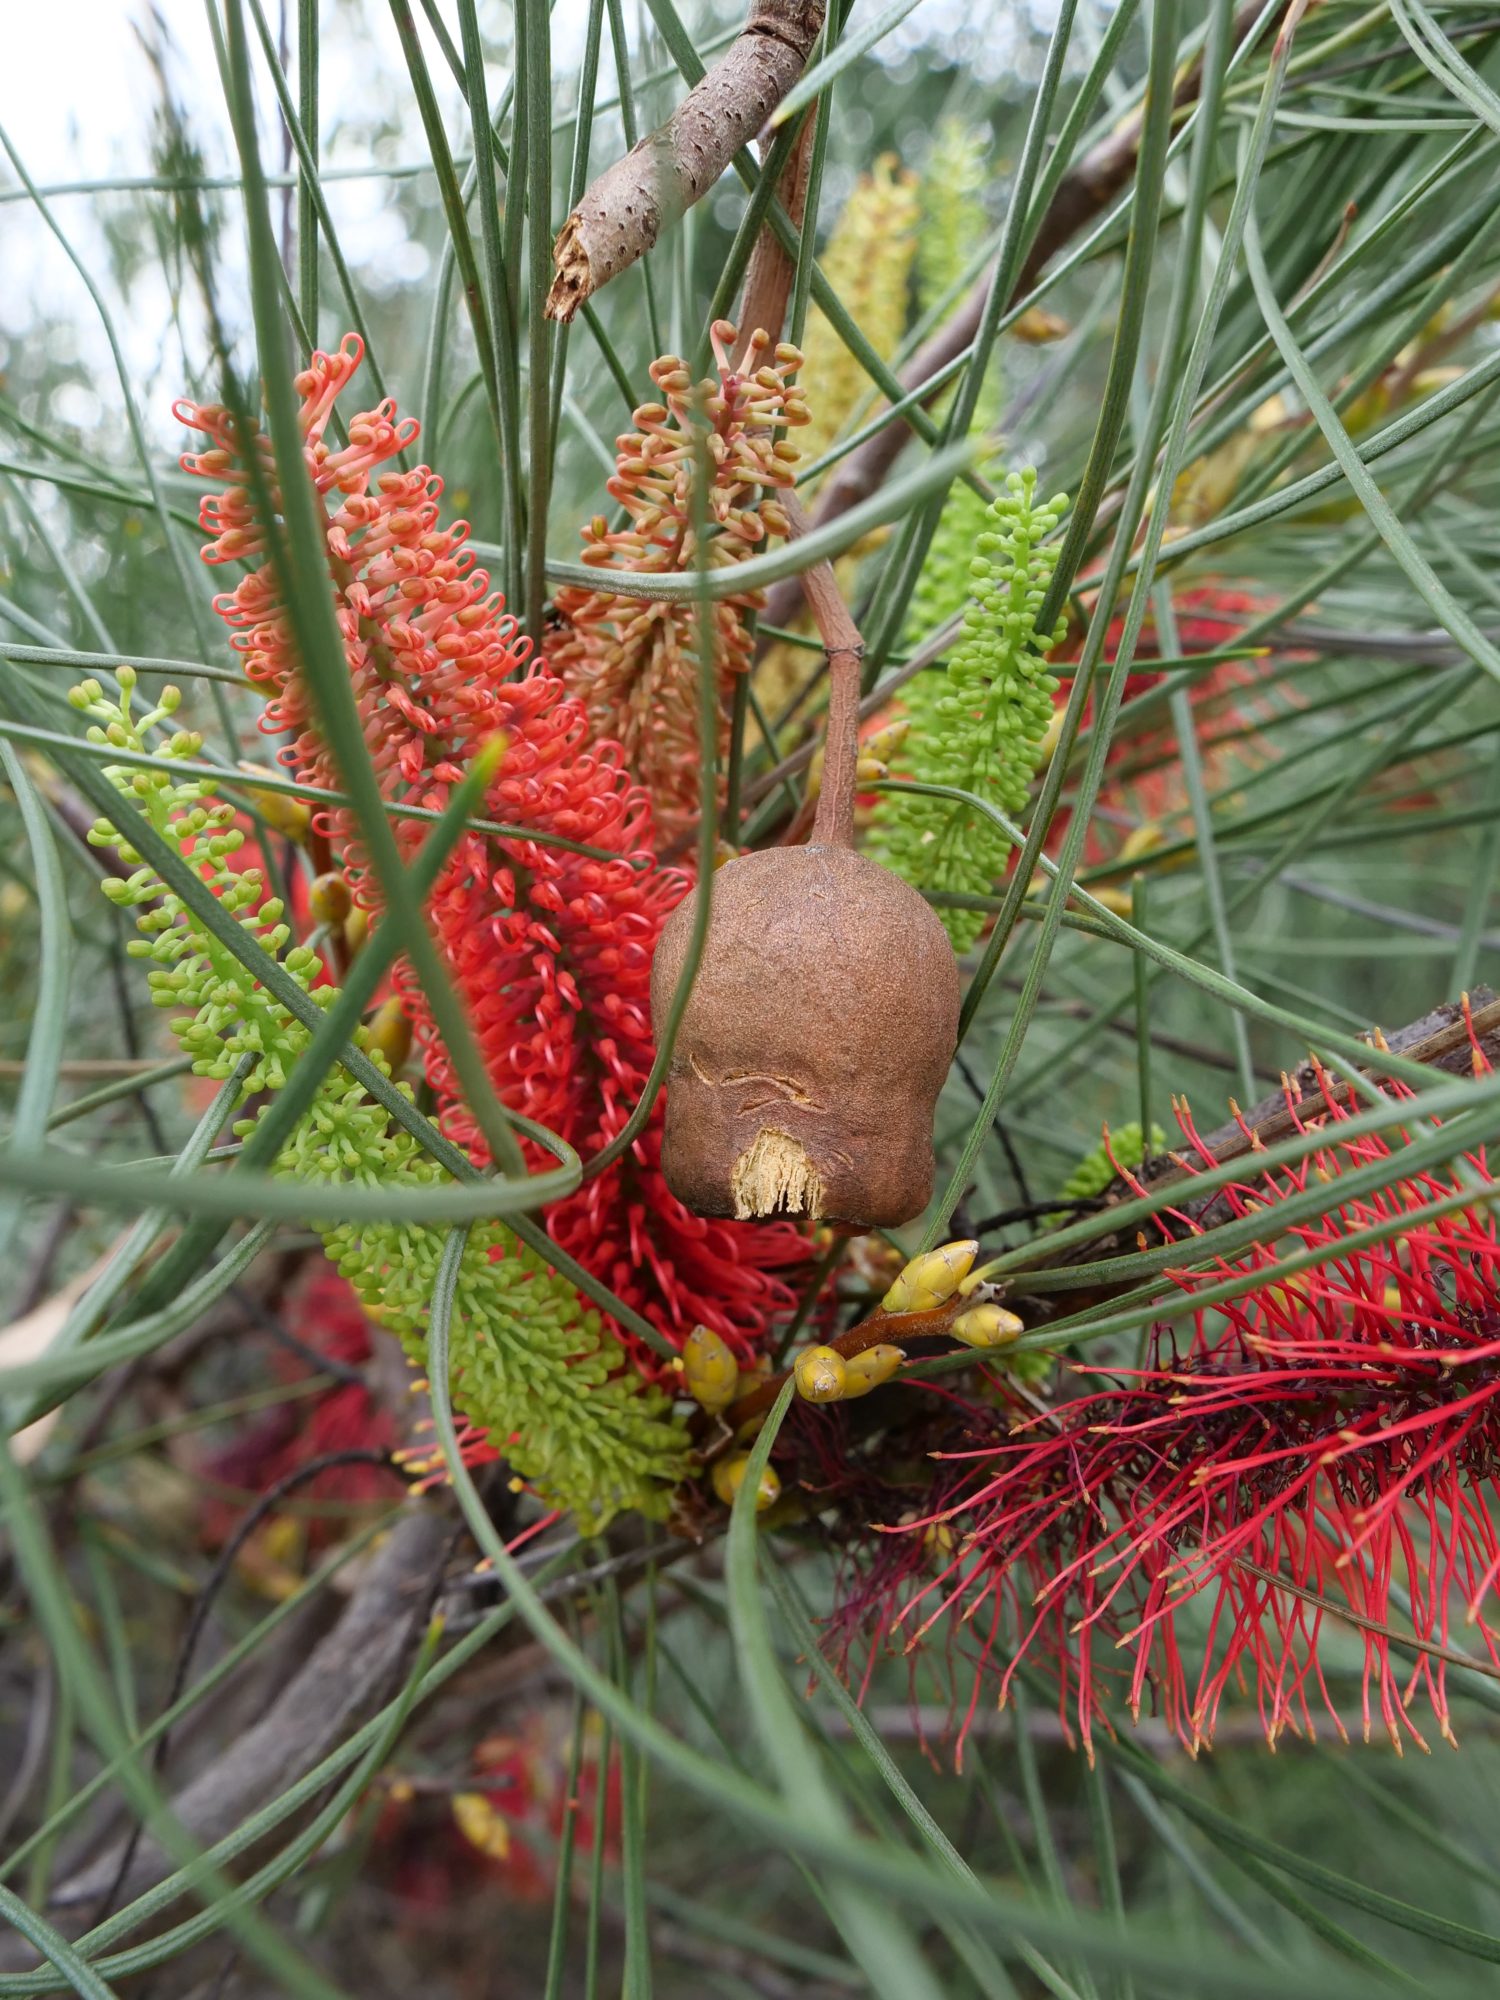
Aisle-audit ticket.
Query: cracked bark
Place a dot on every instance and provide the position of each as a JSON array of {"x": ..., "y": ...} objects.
[{"x": 625, "y": 210}]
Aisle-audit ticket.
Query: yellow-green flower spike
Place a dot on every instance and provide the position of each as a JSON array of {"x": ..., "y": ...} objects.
[
  {"x": 866, "y": 1371},
  {"x": 988, "y": 1326},
  {"x": 929, "y": 1281},
  {"x": 729, "y": 1477},
  {"x": 821, "y": 1374},
  {"x": 709, "y": 1369}
]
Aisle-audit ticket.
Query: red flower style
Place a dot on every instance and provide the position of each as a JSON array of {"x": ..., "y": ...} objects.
[
  {"x": 549, "y": 949},
  {"x": 1325, "y": 1453}
]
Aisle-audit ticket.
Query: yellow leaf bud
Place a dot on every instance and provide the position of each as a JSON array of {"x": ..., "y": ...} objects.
[
  {"x": 329, "y": 898},
  {"x": 280, "y": 811},
  {"x": 930, "y": 1280},
  {"x": 389, "y": 1030}
]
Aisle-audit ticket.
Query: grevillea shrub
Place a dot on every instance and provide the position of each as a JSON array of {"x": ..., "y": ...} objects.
[
  {"x": 550, "y": 950},
  {"x": 1318, "y": 1452}
]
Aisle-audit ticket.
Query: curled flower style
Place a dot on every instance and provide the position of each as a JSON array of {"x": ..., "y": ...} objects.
[
  {"x": 549, "y": 949},
  {"x": 1322, "y": 1457},
  {"x": 632, "y": 662}
]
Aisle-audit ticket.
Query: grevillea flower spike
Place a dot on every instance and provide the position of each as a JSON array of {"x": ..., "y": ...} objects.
[
  {"x": 1321, "y": 1458},
  {"x": 634, "y": 663},
  {"x": 549, "y": 949}
]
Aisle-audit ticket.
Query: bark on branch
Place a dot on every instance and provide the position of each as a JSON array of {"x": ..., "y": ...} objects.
[
  {"x": 625, "y": 210},
  {"x": 1083, "y": 194}
]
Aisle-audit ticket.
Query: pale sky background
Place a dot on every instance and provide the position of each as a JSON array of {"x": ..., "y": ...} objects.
[{"x": 77, "y": 97}]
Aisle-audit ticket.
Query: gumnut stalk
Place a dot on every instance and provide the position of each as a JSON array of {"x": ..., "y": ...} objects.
[{"x": 821, "y": 1023}]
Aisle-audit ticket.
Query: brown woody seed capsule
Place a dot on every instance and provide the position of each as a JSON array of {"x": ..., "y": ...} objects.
[{"x": 814, "y": 1044}]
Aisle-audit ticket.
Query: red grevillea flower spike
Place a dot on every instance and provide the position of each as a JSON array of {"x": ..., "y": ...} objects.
[
  {"x": 1323, "y": 1458},
  {"x": 550, "y": 950},
  {"x": 635, "y": 663}
]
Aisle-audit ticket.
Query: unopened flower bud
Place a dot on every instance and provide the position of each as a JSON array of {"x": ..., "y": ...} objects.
[
  {"x": 930, "y": 1280},
  {"x": 329, "y": 898},
  {"x": 709, "y": 1369},
  {"x": 988, "y": 1326},
  {"x": 280, "y": 811},
  {"x": 867, "y": 1370},
  {"x": 729, "y": 1477},
  {"x": 820, "y": 1374}
]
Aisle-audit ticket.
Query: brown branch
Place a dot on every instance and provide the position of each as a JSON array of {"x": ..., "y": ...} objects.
[
  {"x": 345, "y": 1680},
  {"x": 1439, "y": 1039},
  {"x": 768, "y": 282},
  {"x": 625, "y": 210},
  {"x": 833, "y": 822},
  {"x": 1082, "y": 194}
]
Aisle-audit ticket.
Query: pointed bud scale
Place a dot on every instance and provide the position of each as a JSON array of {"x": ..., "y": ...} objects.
[
  {"x": 820, "y": 1374},
  {"x": 709, "y": 1369},
  {"x": 729, "y": 1477},
  {"x": 930, "y": 1280},
  {"x": 868, "y": 1370},
  {"x": 988, "y": 1326}
]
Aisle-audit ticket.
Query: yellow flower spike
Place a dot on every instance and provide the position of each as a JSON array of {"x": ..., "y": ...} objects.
[
  {"x": 930, "y": 1280},
  {"x": 729, "y": 1477},
  {"x": 389, "y": 1030},
  {"x": 988, "y": 1326},
  {"x": 709, "y": 1369},
  {"x": 866, "y": 1371},
  {"x": 329, "y": 898},
  {"x": 280, "y": 811},
  {"x": 821, "y": 1374}
]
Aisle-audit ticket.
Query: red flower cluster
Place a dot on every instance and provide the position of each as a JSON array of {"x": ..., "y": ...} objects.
[
  {"x": 550, "y": 949},
  {"x": 1324, "y": 1454}
]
